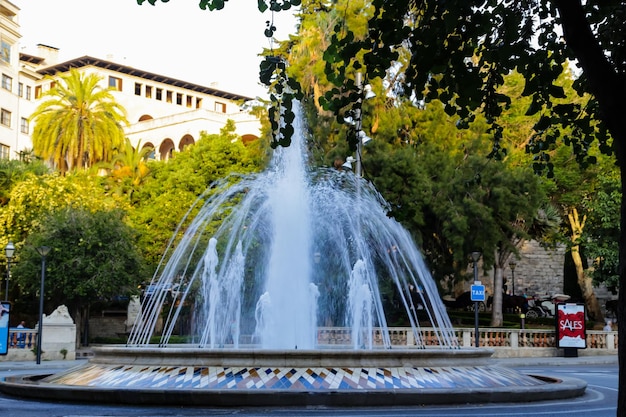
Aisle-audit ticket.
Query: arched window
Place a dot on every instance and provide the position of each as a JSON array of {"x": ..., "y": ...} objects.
[
  {"x": 186, "y": 141},
  {"x": 166, "y": 150},
  {"x": 246, "y": 139},
  {"x": 152, "y": 154}
]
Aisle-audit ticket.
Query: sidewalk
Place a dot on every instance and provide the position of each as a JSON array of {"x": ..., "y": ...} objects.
[
  {"x": 557, "y": 361},
  {"x": 60, "y": 364}
]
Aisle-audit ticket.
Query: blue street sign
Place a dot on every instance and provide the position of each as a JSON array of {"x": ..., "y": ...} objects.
[{"x": 478, "y": 293}]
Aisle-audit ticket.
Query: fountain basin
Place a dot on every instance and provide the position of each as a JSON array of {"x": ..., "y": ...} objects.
[{"x": 255, "y": 377}]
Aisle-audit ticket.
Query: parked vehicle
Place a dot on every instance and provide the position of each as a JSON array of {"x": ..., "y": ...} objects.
[
  {"x": 545, "y": 306},
  {"x": 170, "y": 290}
]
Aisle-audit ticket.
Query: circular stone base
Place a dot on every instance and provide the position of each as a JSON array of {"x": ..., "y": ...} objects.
[{"x": 234, "y": 377}]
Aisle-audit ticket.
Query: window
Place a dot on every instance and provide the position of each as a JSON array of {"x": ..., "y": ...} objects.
[
  {"x": 37, "y": 91},
  {"x": 5, "y": 117},
  {"x": 220, "y": 107},
  {"x": 148, "y": 91},
  {"x": 168, "y": 96},
  {"x": 4, "y": 151},
  {"x": 198, "y": 102},
  {"x": 24, "y": 125},
  {"x": 7, "y": 82},
  {"x": 189, "y": 101},
  {"x": 115, "y": 83},
  {"x": 137, "y": 89},
  {"x": 28, "y": 92},
  {"x": 179, "y": 99},
  {"x": 20, "y": 89},
  {"x": 5, "y": 52},
  {"x": 159, "y": 94}
]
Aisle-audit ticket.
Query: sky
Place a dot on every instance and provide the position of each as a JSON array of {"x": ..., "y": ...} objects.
[{"x": 176, "y": 39}]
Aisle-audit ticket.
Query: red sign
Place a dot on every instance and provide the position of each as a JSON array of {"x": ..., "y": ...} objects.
[{"x": 570, "y": 326}]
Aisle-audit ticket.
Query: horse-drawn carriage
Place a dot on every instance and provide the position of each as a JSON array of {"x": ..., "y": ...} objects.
[
  {"x": 532, "y": 307},
  {"x": 545, "y": 306}
]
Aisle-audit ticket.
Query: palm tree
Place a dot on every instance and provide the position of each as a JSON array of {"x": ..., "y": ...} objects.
[
  {"x": 79, "y": 124},
  {"x": 129, "y": 168}
]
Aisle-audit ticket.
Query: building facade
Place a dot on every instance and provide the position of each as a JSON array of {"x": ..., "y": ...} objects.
[
  {"x": 165, "y": 113},
  {"x": 17, "y": 87}
]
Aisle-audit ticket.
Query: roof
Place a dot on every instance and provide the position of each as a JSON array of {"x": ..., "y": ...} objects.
[
  {"x": 124, "y": 69},
  {"x": 31, "y": 58}
]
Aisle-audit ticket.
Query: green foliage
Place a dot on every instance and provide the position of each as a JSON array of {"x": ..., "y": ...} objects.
[
  {"x": 12, "y": 171},
  {"x": 441, "y": 187},
  {"x": 602, "y": 230},
  {"x": 93, "y": 257},
  {"x": 36, "y": 197},
  {"x": 174, "y": 186},
  {"x": 129, "y": 169}
]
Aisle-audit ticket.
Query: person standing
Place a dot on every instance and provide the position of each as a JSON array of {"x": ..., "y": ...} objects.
[{"x": 21, "y": 337}]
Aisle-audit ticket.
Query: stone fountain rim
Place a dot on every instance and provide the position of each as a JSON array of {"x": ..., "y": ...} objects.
[
  {"x": 146, "y": 360},
  {"x": 191, "y": 355}
]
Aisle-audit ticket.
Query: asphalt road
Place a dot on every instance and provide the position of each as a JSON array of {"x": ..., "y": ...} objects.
[{"x": 600, "y": 400}]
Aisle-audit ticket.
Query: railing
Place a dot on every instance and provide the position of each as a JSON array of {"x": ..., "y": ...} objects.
[
  {"x": 403, "y": 337},
  {"x": 465, "y": 337},
  {"x": 22, "y": 338}
]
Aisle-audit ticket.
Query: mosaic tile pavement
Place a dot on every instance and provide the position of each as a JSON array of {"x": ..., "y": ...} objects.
[{"x": 291, "y": 379}]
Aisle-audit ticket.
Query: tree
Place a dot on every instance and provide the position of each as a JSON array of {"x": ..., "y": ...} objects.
[
  {"x": 602, "y": 232},
  {"x": 93, "y": 258},
  {"x": 129, "y": 168},
  {"x": 79, "y": 123},
  {"x": 36, "y": 197}
]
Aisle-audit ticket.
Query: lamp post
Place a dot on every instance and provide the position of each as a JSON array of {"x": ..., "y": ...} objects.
[
  {"x": 475, "y": 258},
  {"x": 365, "y": 92},
  {"x": 512, "y": 265},
  {"x": 9, "y": 250},
  {"x": 43, "y": 252}
]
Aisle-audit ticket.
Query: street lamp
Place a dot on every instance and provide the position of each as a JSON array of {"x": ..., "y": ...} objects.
[
  {"x": 475, "y": 258},
  {"x": 513, "y": 264},
  {"x": 43, "y": 252},
  {"x": 9, "y": 250},
  {"x": 365, "y": 92}
]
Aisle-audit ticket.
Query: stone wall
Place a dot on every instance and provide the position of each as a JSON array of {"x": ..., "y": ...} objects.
[
  {"x": 107, "y": 326},
  {"x": 538, "y": 269}
]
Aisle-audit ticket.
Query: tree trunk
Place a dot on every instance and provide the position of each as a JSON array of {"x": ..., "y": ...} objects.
[
  {"x": 584, "y": 280},
  {"x": 496, "y": 307},
  {"x": 85, "y": 335},
  {"x": 586, "y": 286},
  {"x": 78, "y": 318}
]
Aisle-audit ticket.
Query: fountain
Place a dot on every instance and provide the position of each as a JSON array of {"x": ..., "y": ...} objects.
[
  {"x": 278, "y": 254},
  {"x": 273, "y": 296}
]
